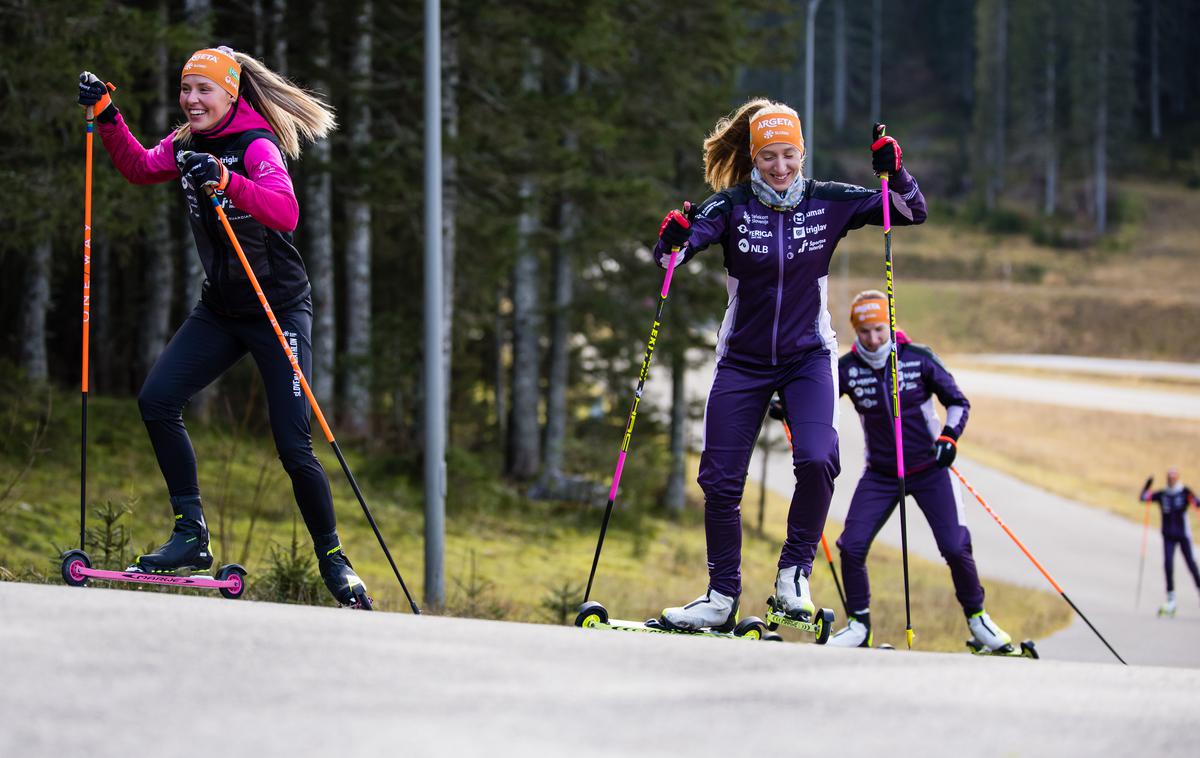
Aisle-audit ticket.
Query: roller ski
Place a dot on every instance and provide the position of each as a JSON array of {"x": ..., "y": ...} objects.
[
  {"x": 989, "y": 639},
  {"x": 711, "y": 615},
  {"x": 1167, "y": 609},
  {"x": 792, "y": 606},
  {"x": 339, "y": 575}
]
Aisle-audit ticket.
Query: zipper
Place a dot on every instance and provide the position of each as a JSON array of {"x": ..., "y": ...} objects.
[{"x": 778, "y": 287}]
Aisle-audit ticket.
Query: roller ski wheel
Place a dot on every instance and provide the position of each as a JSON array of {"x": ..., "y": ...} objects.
[
  {"x": 751, "y": 627},
  {"x": 772, "y": 637},
  {"x": 819, "y": 625},
  {"x": 235, "y": 577},
  {"x": 1166, "y": 612},
  {"x": 73, "y": 563},
  {"x": 1027, "y": 649},
  {"x": 361, "y": 601},
  {"x": 590, "y": 615},
  {"x": 886, "y": 646}
]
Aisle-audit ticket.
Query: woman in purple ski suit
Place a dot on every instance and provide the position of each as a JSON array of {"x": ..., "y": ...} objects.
[
  {"x": 929, "y": 449},
  {"x": 1176, "y": 532},
  {"x": 777, "y": 231}
]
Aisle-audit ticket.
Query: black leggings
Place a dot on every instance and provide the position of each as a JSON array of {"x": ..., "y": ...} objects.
[
  {"x": 1184, "y": 544},
  {"x": 206, "y": 346}
]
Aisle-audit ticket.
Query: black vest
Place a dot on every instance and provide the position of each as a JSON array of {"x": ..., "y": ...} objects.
[{"x": 272, "y": 254}]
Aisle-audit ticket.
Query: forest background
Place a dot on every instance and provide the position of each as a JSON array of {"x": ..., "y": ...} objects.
[{"x": 1055, "y": 142}]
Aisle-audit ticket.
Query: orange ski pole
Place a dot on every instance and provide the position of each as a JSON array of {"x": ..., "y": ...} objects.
[
  {"x": 237, "y": 247},
  {"x": 1035, "y": 562},
  {"x": 87, "y": 306}
]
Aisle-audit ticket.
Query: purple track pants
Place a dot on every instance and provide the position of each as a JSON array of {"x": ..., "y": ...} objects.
[
  {"x": 938, "y": 498},
  {"x": 733, "y": 416}
]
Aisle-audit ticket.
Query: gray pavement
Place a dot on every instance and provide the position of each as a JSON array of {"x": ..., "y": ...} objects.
[
  {"x": 1084, "y": 364},
  {"x": 1085, "y": 395},
  {"x": 103, "y": 672}
]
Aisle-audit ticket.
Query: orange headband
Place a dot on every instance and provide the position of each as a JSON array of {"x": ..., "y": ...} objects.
[
  {"x": 868, "y": 312},
  {"x": 216, "y": 65},
  {"x": 772, "y": 126}
]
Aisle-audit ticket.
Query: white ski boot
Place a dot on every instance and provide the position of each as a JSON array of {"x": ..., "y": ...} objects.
[
  {"x": 857, "y": 633},
  {"x": 712, "y": 610},
  {"x": 792, "y": 595},
  {"x": 987, "y": 634},
  {"x": 1168, "y": 608}
]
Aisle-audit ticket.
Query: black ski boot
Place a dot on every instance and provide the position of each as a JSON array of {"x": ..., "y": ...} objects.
[
  {"x": 345, "y": 586},
  {"x": 187, "y": 549}
]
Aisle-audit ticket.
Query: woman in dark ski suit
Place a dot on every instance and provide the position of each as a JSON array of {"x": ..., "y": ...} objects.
[
  {"x": 929, "y": 450},
  {"x": 1174, "y": 500},
  {"x": 241, "y": 120},
  {"x": 777, "y": 230}
]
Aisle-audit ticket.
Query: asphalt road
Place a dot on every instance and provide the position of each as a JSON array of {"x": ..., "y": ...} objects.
[{"x": 104, "y": 672}]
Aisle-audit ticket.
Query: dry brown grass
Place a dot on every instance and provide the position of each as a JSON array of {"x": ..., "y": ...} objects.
[{"x": 1095, "y": 457}]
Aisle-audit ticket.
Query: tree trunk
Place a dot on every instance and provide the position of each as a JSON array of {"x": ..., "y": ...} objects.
[
  {"x": 524, "y": 454},
  {"x": 1100, "y": 143},
  {"x": 450, "y": 79},
  {"x": 560, "y": 329},
  {"x": 279, "y": 39},
  {"x": 33, "y": 311},
  {"x": 500, "y": 347},
  {"x": 159, "y": 265},
  {"x": 839, "y": 65},
  {"x": 1050, "y": 203},
  {"x": 1155, "y": 110},
  {"x": 358, "y": 243},
  {"x": 318, "y": 230},
  {"x": 877, "y": 61},
  {"x": 995, "y": 179},
  {"x": 675, "y": 496},
  {"x": 256, "y": 13}
]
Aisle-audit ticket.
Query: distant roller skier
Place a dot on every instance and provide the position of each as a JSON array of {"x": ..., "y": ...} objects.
[
  {"x": 929, "y": 450},
  {"x": 1174, "y": 500}
]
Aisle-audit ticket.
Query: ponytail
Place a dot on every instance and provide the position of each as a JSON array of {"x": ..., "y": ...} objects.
[
  {"x": 294, "y": 113},
  {"x": 727, "y": 158}
]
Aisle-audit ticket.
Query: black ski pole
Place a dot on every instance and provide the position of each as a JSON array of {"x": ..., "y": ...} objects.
[
  {"x": 637, "y": 399},
  {"x": 879, "y": 131}
]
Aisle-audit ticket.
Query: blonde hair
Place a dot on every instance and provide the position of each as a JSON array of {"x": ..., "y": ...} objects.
[
  {"x": 294, "y": 113},
  {"x": 868, "y": 295},
  {"x": 727, "y": 148}
]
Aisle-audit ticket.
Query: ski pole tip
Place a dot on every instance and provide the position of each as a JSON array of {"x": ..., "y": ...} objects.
[{"x": 909, "y": 634}]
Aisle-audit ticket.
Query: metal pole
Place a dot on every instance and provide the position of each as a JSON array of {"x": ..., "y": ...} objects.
[
  {"x": 435, "y": 414},
  {"x": 809, "y": 44}
]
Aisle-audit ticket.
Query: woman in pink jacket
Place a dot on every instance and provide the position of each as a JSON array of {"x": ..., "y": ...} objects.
[{"x": 243, "y": 122}]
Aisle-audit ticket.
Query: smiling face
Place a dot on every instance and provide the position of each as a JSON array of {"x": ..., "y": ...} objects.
[
  {"x": 779, "y": 164},
  {"x": 203, "y": 102},
  {"x": 1172, "y": 477},
  {"x": 873, "y": 336}
]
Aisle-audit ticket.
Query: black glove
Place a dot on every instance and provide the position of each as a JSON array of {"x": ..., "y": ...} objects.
[
  {"x": 775, "y": 409},
  {"x": 94, "y": 93},
  {"x": 676, "y": 227},
  {"x": 1149, "y": 483},
  {"x": 203, "y": 170},
  {"x": 945, "y": 449},
  {"x": 885, "y": 152}
]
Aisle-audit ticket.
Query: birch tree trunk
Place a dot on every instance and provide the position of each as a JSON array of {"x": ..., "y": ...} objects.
[
  {"x": 877, "y": 61},
  {"x": 1049, "y": 103},
  {"x": 839, "y": 66},
  {"x": 1100, "y": 140},
  {"x": 1155, "y": 108},
  {"x": 159, "y": 268},
  {"x": 33, "y": 311},
  {"x": 524, "y": 454},
  {"x": 560, "y": 329},
  {"x": 356, "y": 374},
  {"x": 318, "y": 228},
  {"x": 450, "y": 79},
  {"x": 675, "y": 496},
  {"x": 279, "y": 40}
]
